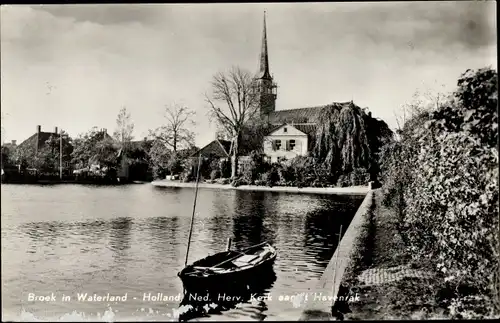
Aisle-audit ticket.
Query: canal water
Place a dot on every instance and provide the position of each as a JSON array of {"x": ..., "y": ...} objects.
[{"x": 64, "y": 241}]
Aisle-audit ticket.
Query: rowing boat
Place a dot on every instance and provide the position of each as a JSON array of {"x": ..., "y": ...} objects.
[{"x": 228, "y": 267}]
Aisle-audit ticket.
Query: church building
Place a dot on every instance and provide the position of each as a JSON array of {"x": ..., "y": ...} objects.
[{"x": 292, "y": 131}]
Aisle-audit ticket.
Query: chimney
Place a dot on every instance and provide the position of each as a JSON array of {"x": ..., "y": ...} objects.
[
  {"x": 55, "y": 130},
  {"x": 38, "y": 129},
  {"x": 14, "y": 142}
]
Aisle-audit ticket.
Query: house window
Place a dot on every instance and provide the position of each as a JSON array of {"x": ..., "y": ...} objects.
[
  {"x": 292, "y": 144},
  {"x": 284, "y": 129},
  {"x": 277, "y": 145}
]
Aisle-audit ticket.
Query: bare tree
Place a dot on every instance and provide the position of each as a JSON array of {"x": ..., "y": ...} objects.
[
  {"x": 232, "y": 103},
  {"x": 176, "y": 133},
  {"x": 420, "y": 104},
  {"x": 124, "y": 128}
]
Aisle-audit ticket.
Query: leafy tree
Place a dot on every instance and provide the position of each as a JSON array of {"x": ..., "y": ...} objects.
[
  {"x": 348, "y": 139},
  {"x": 7, "y": 157},
  {"x": 96, "y": 148},
  {"x": 158, "y": 156}
]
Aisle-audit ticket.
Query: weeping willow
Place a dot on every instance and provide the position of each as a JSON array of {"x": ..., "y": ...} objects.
[{"x": 342, "y": 139}]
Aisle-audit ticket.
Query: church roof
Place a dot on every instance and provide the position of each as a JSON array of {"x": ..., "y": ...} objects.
[{"x": 302, "y": 115}]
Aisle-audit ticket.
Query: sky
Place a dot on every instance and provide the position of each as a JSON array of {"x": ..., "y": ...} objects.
[{"x": 76, "y": 66}]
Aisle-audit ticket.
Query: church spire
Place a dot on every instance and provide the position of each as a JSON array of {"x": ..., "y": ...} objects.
[{"x": 264, "y": 58}]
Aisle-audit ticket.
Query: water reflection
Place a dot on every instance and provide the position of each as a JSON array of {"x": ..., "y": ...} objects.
[
  {"x": 119, "y": 237},
  {"x": 48, "y": 233},
  {"x": 322, "y": 227},
  {"x": 164, "y": 235},
  {"x": 219, "y": 222},
  {"x": 248, "y": 221}
]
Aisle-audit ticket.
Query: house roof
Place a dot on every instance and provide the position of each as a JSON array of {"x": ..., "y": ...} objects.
[
  {"x": 138, "y": 144},
  {"x": 307, "y": 128},
  {"x": 42, "y": 138},
  {"x": 226, "y": 144},
  {"x": 216, "y": 148},
  {"x": 302, "y": 115}
]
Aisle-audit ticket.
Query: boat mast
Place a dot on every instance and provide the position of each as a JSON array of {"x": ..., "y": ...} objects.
[{"x": 194, "y": 208}]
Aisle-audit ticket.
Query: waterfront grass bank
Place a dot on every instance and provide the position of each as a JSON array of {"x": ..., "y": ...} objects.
[
  {"x": 390, "y": 285},
  {"x": 352, "y": 190}
]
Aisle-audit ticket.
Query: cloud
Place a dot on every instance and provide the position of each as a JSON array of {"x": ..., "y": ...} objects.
[
  {"x": 109, "y": 14},
  {"x": 100, "y": 57}
]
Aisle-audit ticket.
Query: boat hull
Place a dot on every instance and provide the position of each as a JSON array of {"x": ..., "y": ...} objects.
[
  {"x": 229, "y": 268},
  {"x": 237, "y": 278}
]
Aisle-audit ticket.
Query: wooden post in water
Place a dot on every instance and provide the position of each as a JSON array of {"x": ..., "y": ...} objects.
[
  {"x": 60, "y": 156},
  {"x": 228, "y": 247},
  {"x": 194, "y": 208}
]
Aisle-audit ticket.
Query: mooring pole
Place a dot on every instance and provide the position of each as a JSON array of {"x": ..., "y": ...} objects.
[
  {"x": 228, "y": 247},
  {"x": 60, "y": 155},
  {"x": 194, "y": 208}
]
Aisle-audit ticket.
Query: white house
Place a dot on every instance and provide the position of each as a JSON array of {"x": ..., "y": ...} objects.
[{"x": 288, "y": 141}]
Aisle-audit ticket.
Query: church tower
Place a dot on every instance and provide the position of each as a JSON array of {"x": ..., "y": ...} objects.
[{"x": 265, "y": 86}]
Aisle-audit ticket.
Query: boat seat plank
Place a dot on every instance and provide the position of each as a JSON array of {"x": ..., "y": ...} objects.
[{"x": 246, "y": 258}]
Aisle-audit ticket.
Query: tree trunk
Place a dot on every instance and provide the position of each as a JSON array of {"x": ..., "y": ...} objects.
[{"x": 234, "y": 158}]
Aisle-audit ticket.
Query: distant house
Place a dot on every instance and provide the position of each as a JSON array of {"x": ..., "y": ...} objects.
[
  {"x": 38, "y": 140},
  {"x": 218, "y": 148},
  {"x": 29, "y": 148}
]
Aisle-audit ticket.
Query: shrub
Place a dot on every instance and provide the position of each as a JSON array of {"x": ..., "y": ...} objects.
[
  {"x": 215, "y": 174},
  {"x": 238, "y": 182},
  {"x": 359, "y": 176},
  {"x": 225, "y": 168},
  {"x": 186, "y": 177},
  {"x": 253, "y": 167},
  {"x": 446, "y": 188},
  {"x": 271, "y": 177},
  {"x": 285, "y": 174},
  {"x": 260, "y": 182},
  {"x": 343, "y": 181}
]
